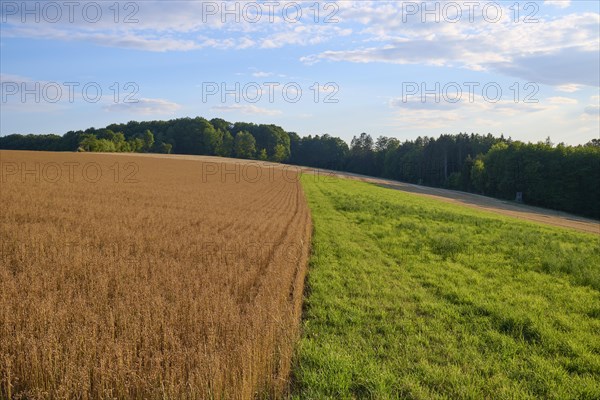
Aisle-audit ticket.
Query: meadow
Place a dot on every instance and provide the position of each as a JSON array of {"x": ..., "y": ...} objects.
[
  {"x": 144, "y": 278},
  {"x": 409, "y": 297}
]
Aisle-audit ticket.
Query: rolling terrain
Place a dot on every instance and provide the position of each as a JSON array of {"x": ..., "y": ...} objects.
[
  {"x": 503, "y": 207},
  {"x": 159, "y": 276}
]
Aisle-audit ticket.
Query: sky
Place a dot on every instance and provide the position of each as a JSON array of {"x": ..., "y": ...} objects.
[{"x": 525, "y": 69}]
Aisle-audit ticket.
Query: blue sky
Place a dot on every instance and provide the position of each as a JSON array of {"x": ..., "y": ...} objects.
[{"x": 391, "y": 69}]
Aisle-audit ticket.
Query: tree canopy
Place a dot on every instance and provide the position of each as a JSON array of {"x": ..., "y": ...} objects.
[{"x": 559, "y": 177}]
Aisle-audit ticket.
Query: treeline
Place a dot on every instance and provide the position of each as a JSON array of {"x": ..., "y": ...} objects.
[{"x": 559, "y": 177}]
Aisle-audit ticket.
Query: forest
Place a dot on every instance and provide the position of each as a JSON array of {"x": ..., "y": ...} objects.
[{"x": 559, "y": 177}]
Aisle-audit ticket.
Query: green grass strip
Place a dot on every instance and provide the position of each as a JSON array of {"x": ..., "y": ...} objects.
[{"x": 410, "y": 297}]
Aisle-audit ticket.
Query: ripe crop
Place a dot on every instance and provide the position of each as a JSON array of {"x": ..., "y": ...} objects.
[{"x": 138, "y": 277}]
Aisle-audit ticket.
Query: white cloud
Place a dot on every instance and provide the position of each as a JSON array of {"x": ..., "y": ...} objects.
[
  {"x": 593, "y": 109},
  {"x": 145, "y": 106},
  {"x": 245, "y": 43},
  {"x": 132, "y": 41},
  {"x": 183, "y": 26},
  {"x": 568, "y": 88},
  {"x": 380, "y": 33},
  {"x": 476, "y": 103},
  {"x": 561, "y": 100},
  {"x": 261, "y": 74},
  {"x": 558, "y": 3},
  {"x": 246, "y": 109},
  {"x": 550, "y": 68},
  {"x": 424, "y": 119},
  {"x": 414, "y": 113},
  {"x": 125, "y": 39},
  {"x": 428, "y": 103},
  {"x": 560, "y": 51},
  {"x": 303, "y": 35}
]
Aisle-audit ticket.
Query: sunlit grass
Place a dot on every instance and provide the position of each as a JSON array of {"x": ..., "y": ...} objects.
[{"x": 413, "y": 298}]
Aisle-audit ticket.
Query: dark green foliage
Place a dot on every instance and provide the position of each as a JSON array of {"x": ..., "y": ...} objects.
[
  {"x": 245, "y": 145},
  {"x": 225, "y": 146},
  {"x": 319, "y": 151},
  {"x": 563, "y": 178},
  {"x": 272, "y": 138},
  {"x": 164, "y": 148},
  {"x": 558, "y": 177},
  {"x": 32, "y": 142}
]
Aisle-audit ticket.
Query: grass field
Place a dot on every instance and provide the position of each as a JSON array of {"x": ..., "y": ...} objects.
[
  {"x": 414, "y": 298},
  {"x": 143, "y": 278}
]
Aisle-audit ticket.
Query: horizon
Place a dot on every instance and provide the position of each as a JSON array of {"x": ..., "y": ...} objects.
[
  {"x": 525, "y": 70},
  {"x": 348, "y": 142}
]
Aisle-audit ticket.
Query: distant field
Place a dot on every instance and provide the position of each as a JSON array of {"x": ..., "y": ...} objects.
[
  {"x": 410, "y": 297},
  {"x": 147, "y": 278}
]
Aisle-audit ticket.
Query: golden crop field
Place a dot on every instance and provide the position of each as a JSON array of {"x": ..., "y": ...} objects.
[{"x": 146, "y": 278}]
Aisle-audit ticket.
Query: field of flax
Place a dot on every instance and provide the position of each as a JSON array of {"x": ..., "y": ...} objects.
[{"x": 138, "y": 277}]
